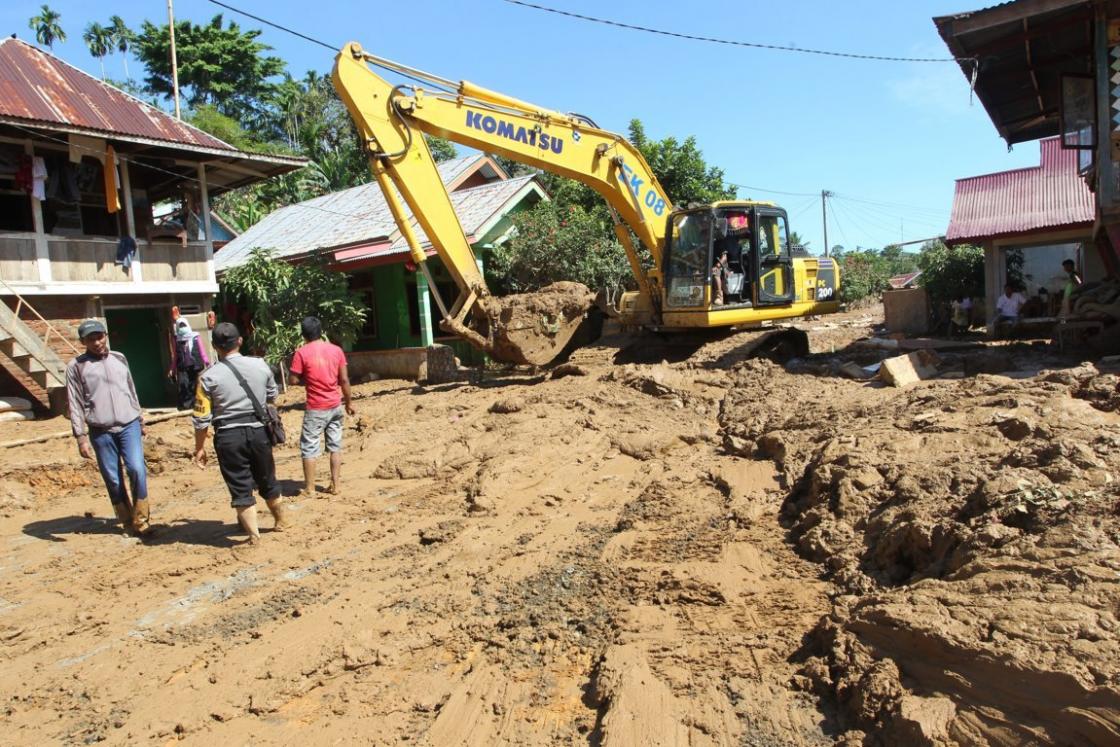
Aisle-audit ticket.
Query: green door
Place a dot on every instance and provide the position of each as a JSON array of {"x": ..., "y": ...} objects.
[{"x": 136, "y": 333}]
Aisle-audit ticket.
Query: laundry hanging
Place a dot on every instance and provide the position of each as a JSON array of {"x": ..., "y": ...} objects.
[{"x": 112, "y": 194}]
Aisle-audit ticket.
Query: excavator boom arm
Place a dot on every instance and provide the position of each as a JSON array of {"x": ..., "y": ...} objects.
[{"x": 494, "y": 123}]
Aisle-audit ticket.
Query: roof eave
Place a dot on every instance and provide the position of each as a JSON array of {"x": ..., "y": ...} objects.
[{"x": 295, "y": 162}]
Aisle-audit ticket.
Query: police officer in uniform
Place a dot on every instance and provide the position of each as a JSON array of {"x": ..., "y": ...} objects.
[{"x": 224, "y": 400}]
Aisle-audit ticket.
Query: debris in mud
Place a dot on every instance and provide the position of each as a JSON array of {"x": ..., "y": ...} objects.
[
  {"x": 568, "y": 369},
  {"x": 507, "y": 406},
  {"x": 445, "y": 531},
  {"x": 656, "y": 381}
]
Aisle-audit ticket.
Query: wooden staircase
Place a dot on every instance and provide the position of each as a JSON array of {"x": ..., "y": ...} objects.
[{"x": 33, "y": 354}]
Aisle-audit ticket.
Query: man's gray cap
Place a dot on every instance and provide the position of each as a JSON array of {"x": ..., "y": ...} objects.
[{"x": 88, "y": 327}]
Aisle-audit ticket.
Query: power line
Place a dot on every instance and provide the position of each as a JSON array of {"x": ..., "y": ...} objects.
[
  {"x": 883, "y": 215},
  {"x": 774, "y": 191},
  {"x": 882, "y": 221},
  {"x": 920, "y": 208},
  {"x": 836, "y": 220},
  {"x": 276, "y": 26},
  {"x": 731, "y": 42},
  {"x": 321, "y": 43}
]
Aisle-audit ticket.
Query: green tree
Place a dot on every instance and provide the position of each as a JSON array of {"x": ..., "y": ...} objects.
[
  {"x": 951, "y": 271},
  {"x": 224, "y": 67},
  {"x": 681, "y": 168},
  {"x": 796, "y": 240},
  {"x": 98, "y": 40},
  {"x": 555, "y": 242},
  {"x": 208, "y": 119},
  {"x": 441, "y": 148},
  {"x": 897, "y": 261},
  {"x": 279, "y": 295},
  {"x": 121, "y": 39},
  {"x": 47, "y": 27},
  {"x": 863, "y": 274}
]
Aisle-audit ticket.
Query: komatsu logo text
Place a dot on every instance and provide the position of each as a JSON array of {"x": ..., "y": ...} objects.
[{"x": 494, "y": 126}]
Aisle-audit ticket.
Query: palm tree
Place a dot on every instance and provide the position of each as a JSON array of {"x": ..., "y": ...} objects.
[
  {"x": 99, "y": 40},
  {"x": 47, "y": 28},
  {"x": 121, "y": 37},
  {"x": 796, "y": 240}
]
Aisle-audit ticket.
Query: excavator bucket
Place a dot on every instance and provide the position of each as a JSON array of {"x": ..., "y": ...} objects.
[{"x": 532, "y": 328}]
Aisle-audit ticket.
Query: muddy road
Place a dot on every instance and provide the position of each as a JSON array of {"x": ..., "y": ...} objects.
[{"x": 712, "y": 551}]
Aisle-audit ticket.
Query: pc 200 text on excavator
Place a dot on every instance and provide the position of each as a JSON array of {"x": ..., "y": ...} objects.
[{"x": 763, "y": 280}]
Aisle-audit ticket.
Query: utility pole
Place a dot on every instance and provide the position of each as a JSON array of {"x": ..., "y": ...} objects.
[
  {"x": 174, "y": 60},
  {"x": 825, "y": 194}
]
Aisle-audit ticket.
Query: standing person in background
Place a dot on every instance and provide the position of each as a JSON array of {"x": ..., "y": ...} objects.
[
  {"x": 188, "y": 360},
  {"x": 321, "y": 367},
  {"x": 106, "y": 418},
  {"x": 225, "y": 399},
  {"x": 1073, "y": 282}
]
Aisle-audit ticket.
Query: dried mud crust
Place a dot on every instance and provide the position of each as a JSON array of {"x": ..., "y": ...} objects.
[
  {"x": 971, "y": 529},
  {"x": 533, "y": 328}
]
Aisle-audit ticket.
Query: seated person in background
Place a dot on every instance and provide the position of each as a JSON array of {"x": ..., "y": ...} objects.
[
  {"x": 719, "y": 278},
  {"x": 1008, "y": 306},
  {"x": 961, "y": 316}
]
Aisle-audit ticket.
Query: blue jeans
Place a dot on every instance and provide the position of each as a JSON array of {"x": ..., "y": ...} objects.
[{"x": 110, "y": 448}]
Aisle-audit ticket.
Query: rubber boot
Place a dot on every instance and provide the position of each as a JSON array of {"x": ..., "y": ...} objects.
[
  {"x": 141, "y": 517},
  {"x": 247, "y": 517},
  {"x": 279, "y": 515},
  {"x": 124, "y": 515}
]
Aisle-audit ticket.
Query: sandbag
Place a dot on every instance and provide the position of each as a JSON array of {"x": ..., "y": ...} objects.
[
  {"x": 14, "y": 415},
  {"x": 18, "y": 404}
]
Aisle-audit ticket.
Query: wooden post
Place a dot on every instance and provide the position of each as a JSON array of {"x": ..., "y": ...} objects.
[
  {"x": 426, "y": 335},
  {"x": 204, "y": 208},
  {"x": 130, "y": 219},
  {"x": 42, "y": 249}
]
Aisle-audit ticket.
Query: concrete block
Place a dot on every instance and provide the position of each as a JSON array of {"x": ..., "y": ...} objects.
[{"x": 910, "y": 368}]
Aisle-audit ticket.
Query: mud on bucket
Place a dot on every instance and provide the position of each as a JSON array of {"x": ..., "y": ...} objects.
[{"x": 532, "y": 328}]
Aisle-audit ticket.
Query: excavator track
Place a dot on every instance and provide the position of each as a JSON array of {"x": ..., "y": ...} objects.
[{"x": 709, "y": 348}]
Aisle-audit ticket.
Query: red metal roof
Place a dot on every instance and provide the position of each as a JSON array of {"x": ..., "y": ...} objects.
[
  {"x": 41, "y": 89},
  {"x": 1049, "y": 196},
  {"x": 898, "y": 282}
]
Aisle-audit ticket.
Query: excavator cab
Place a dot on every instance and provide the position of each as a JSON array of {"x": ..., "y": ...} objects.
[{"x": 759, "y": 270}]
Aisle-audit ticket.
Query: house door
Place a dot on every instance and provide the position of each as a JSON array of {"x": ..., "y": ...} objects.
[{"x": 136, "y": 333}]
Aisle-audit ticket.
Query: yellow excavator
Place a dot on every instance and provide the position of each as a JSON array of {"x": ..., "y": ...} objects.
[{"x": 760, "y": 278}]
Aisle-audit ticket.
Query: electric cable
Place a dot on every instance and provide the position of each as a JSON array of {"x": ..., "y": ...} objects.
[
  {"x": 730, "y": 42},
  {"x": 836, "y": 222},
  {"x": 920, "y": 208},
  {"x": 774, "y": 191}
]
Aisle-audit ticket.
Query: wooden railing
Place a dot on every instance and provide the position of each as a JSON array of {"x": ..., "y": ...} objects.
[
  {"x": 88, "y": 259},
  {"x": 22, "y": 303}
]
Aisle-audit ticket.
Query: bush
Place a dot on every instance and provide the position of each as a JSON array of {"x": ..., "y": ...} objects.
[
  {"x": 554, "y": 243},
  {"x": 950, "y": 272},
  {"x": 863, "y": 275},
  {"x": 279, "y": 295}
]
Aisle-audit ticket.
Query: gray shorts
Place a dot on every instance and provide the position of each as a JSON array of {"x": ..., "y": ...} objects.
[{"x": 318, "y": 423}]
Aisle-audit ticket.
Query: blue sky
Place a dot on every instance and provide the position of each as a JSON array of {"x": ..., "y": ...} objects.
[{"x": 888, "y": 138}]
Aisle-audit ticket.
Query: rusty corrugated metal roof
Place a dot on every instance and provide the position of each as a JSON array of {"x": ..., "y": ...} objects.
[
  {"x": 39, "y": 88},
  {"x": 1049, "y": 196}
]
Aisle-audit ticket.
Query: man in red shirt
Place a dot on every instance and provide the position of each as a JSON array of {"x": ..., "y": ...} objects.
[{"x": 321, "y": 367}]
